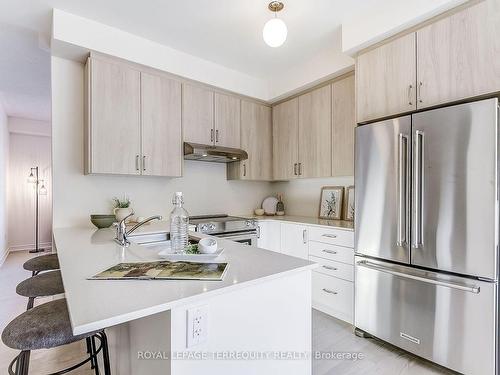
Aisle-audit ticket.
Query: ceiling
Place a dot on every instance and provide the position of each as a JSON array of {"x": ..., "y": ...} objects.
[{"x": 226, "y": 32}]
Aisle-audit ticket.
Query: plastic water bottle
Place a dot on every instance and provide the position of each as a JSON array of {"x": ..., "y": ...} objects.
[{"x": 179, "y": 222}]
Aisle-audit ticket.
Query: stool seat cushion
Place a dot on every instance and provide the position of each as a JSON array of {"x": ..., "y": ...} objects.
[
  {"x": 42, "y": 285},
  {"x": 42, "y": 263},
  {"x": 43, "y": 327}
]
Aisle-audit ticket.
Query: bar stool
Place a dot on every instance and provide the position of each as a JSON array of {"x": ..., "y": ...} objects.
[
  {"x": 42, "y": 263},
  {"x": 44, "y": 327},
  {"x": 43, "y": 285}
]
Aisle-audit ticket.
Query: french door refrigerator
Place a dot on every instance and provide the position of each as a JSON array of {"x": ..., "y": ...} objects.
[{"x": 426, "y": 234}]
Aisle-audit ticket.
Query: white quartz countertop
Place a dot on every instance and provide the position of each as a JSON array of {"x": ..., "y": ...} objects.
[
  {"x": 97, "y": 304},
  {"x": 337, "y": 224}
]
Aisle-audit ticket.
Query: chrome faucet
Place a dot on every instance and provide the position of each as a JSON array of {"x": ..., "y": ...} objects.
[{"x": 122, "y": 233}]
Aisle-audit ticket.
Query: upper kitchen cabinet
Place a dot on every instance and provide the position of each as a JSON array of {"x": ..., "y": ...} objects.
[
  {"x": 198, "y": 114},
  {"x": 161, "y": 126},
  {"x": 315, "y": 133},
  {"x": 457, "y": 57},
  {"x": 227, "y": 121},
  {"x": 113, "y": 118},
  {"x": 386, "y": 79},
  {"x": 256, "y": 140},
  {"x": 343, "y": 125},
  {"x": 286, "y": 140}
]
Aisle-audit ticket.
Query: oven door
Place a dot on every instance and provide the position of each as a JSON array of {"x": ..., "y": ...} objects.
[{"x": 247, "y": 238}]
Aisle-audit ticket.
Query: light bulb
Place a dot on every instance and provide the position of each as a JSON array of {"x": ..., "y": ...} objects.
[{"x": 274, "y": 32}]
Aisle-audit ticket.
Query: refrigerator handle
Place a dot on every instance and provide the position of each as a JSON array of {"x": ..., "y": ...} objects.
[
  {"x": 418, "y": 178},
  {"x": 471, "y": 289},
  {"x": 402, "y": 238}
]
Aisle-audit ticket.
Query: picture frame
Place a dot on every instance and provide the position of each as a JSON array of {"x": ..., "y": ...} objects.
[
  {"x": 349, "y": 203},
  {"x": 330, "y": 203}
]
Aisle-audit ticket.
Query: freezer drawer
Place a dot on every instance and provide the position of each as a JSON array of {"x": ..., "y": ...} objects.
[{"x": 445, "y": 319}]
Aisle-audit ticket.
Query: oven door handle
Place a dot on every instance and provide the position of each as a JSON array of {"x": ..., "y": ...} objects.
[{"x": 243, "y": 236}]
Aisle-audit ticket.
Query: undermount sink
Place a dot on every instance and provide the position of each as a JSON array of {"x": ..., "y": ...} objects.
[
  {"x": 149, "y": 239},
  {"x": 156, "y": 241}
]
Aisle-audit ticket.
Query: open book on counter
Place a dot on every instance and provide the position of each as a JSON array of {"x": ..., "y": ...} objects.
[{"x": 164, "y": 270}]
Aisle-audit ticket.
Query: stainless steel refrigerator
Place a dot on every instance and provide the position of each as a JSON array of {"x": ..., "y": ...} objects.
[{"x": 426, "y": 234}]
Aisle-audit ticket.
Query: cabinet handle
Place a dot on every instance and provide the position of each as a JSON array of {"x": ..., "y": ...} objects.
[
  {"x": 137, "y": 168},
  {"x": 300, "y": 169},
  {"x": 144, "y": 162},
  {"x": 244, "y": 169},
  {"x": 329, "y": 291},
  {"x": 419, "y": 94},
  {"x": 304, "y": 236},
  {"x": 329, "y": 235},
  {"x": 330, "y": 268},
  {"x": 410, "y": 89},
  {"x": 295, "y": 169},
  {"x": 211, "y": 135},
  {"x": 217, "y": 136},
  {"x": 329, "y": 251}
]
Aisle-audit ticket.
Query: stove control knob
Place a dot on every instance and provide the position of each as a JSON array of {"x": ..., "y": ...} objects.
[
  {"x": 250, "y": 223},
  {"x": 203, "y": 228},
  {"x": 211, "y": 226}
]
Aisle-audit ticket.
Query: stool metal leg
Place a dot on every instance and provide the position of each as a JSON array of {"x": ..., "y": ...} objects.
[
  {"x": 26, "y": 361},
  {"x": 105, "y": 354},
  {"x": 94, "y": 354},
  {"x": 31, "y": 302}
]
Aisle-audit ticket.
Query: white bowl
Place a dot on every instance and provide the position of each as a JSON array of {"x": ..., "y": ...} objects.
[
  {"x": 259, "y": 211},
  {"x": 207, "y": 246}
]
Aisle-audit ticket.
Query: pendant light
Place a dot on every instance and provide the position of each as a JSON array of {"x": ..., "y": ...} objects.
[{"x": 275, "y": 31}]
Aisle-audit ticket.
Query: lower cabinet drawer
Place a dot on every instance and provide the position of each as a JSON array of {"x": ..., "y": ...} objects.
[
  {"x": 332, "y": 236},
  {"x": 331, "y": 252},
  {"x": 335, "y": 269},
  {"x": 333, "y": 296}
]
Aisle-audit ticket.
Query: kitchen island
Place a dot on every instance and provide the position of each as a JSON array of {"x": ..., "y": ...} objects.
[{"x": 259, "y": 316}]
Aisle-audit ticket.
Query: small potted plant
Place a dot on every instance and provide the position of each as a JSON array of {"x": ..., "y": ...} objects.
[{"x": 122, "y": 208}]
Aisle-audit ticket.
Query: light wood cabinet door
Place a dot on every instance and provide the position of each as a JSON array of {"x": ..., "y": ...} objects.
[
  {"x": 458, "y": 56},
  {"x": 198, "y": 115},
  {"x": 285, "y": 139},
  {"x": 386, "y": 79},
  {"x": 256, "y": 140},
  {"x": 227, "y": 121},
  {"x": 315, "y": 133},
  {"x": 114, "y": 112},
  {"x": 343, "y": 125},
  {"x": 161, "y": 126}
]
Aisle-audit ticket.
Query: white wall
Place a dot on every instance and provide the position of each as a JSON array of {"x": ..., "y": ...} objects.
[
  {"x": 76, "y": 196},
  {"x": 70, "y": 31},
  {"x": 327, "y": 64},
  {"x": 4, "y": 168},
  {"x": 386, "y": 18},
  {"x": 31, "y": 127},
  {"x": 301, "y": 197},
  {"x": 28, "y": 149}
]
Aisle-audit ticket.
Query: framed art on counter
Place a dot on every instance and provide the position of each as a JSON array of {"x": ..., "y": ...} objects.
[{"x": 330, "y": 205}]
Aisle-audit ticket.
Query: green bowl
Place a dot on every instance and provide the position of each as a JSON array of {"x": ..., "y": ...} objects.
[{"x": 102, "y": 221}]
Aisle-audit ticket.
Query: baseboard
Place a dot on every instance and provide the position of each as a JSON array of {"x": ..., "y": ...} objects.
[
  {"x": 42, "y": 245},
  {"x": 4, "y": 256}
]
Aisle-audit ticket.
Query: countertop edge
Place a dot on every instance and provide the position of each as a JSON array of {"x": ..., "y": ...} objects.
[{"x": 124, "y": 318}]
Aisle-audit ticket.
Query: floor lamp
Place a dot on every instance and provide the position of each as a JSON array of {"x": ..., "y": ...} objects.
[{"x": 40, "y": 189}]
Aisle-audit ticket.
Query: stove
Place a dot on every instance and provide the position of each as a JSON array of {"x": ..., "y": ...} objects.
[{"x": 233, "y": 228}]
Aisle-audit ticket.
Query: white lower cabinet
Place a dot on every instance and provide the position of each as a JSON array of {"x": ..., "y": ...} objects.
[
  {"x": 331, "y": 248},
  {"x": 333, "y": 296},
  {"x": 269, "y": 236},
  {"x": 294, "y": 239}
]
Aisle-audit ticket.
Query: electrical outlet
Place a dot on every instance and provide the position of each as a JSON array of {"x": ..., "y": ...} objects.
[{"x": 197, "y": 325}]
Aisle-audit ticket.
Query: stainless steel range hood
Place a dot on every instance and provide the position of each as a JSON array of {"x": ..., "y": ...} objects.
[{"x": 214, "y": 154}]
